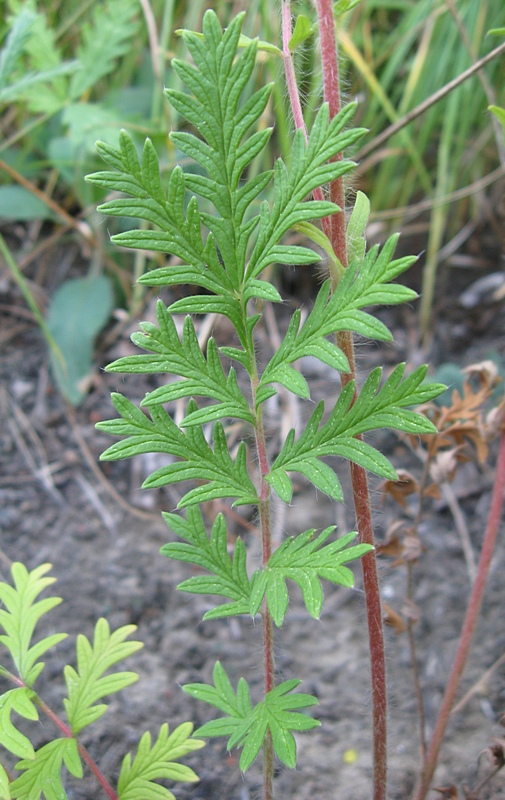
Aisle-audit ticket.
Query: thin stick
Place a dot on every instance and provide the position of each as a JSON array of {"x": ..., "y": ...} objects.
[
  {"x": 77, "y": 224},
  {"x": 428, "y": 103},
  {"x": 478, "y": 685}
]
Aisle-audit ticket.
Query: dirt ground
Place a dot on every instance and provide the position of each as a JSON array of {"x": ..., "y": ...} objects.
[{"x": 102, "y": 535}]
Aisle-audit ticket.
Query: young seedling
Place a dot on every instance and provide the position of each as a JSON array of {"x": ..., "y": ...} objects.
[
  {"x": 90, "y": 681},
  {"x": 222, "y": 244}
]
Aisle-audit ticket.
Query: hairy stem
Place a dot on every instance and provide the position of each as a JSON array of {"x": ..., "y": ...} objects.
[
  {"x": 266, "y": 551},
  {"x": 67, "y": 733},
  {"x": 102, "y": 780},
  {"x": 329, "y": 61},
  {"x": 294, "y": 96},
  {"x": 474, "y": 604}
]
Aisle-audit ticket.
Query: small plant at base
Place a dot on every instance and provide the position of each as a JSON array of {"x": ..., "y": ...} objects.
[
  {"x": 41, "y": 769},
  {"x": 227, "y": 265}
]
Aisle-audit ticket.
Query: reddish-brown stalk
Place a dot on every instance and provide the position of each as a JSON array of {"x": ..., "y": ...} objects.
[
  {"x": 67, "y": 732},
  {"x": 472, "y": 613},
  {"x": 335, "y": 229},
  {"x": 294, "y": 97},
  {"x": 329, "y": 61},
  {"x": 266, "y": 551}
]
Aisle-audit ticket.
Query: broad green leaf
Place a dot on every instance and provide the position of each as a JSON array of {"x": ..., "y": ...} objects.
[
  {"x": 302, "y": 30},
  {"x": 78, "y": 311},
  {"x": 42, "y": 774},
  {"x": 247, "y": 725},
  {"x": 356, "y": 228},
  {"x": 87, "y": 683},
  {"x": 158, "y": 761},
  {"x": 305, "y": 560},
  {"x": 20, "y": 615},
  {"x": 17, "y": 203},
  {"x": 228, "y": 574}
]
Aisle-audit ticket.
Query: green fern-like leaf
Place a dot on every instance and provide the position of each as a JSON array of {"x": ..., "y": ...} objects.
[
  {"x": 88, "y": 683},
  {"x": 106, "y": 37},
  {"x": 366, "y": 282},
  {"x": 247, "y": 725},
  {"x": 5, "y": 792},
  {"x": 158, "y": 762},
  {"x": 20, "y": 615},
  {"x": 202, "y": 376},
  {"x": 304, "y": 560},
  {"x": 222, "y": 117},
  {"x": 42, "y": 82},
  {"x": 386, "y": 407},
  {"x": 229, "y": 576},
  {"x": 226, "y": 478},
  {"x": 19, "y": 700},
  {"x": 42, "y": 774}
]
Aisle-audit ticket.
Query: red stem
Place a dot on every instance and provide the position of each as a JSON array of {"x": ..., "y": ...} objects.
[
  {"x": 294, "y": 97},
  {"x": 331, "y": 83},
  {"x": 67, "y": 732},
  {"x": 268, "y": 648},
  {"x": 334, "y": 227},
  {"x": 329, "y": 60},
  {"x": 474, "y": 604}
]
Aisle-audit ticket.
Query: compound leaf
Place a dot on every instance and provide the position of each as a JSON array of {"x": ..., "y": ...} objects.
[
  {"x": 87, "y": 683},
  {"x": 305, "y": 560},
  {"x": 20, "y": 615},
  {"x": 365, "y": 282},
  {"x": 373, "y": 408},
  {"x": 224, "y": 476},
  {"x": 229, "y": 575},
  {"x": 201, "y": 376},
  {"x": 156, "y": 762},
  {"x": 19, "y": 700},
  {"x": 247, "y": 725},
  {"x": 42, "y": 774},
  {"x": 105, "y": 38}
]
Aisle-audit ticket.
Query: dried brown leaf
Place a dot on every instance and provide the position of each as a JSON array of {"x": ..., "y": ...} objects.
[
  {"x": 393, "y": 619},
  {"x": 448, "y": 792},
  {"x": 401, "y": 488}
]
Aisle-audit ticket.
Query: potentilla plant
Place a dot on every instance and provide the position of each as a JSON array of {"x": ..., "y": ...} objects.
[{"x": 223, "y": 239}]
